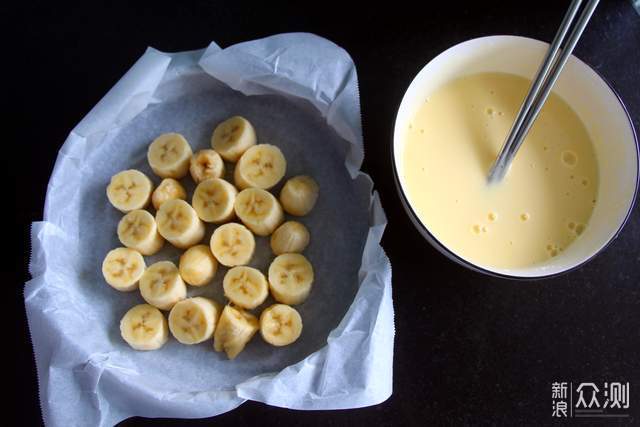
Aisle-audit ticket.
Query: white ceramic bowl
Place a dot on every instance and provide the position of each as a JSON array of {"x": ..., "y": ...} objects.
[{"x": 595, "y": 102}]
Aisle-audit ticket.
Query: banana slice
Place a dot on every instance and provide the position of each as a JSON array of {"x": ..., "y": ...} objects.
[
  {"x": 259, "y": 210},
  {"x": 122, "y": 268},
  {"x": 234, "y": 330},
  {"x": 178, "y": 222},
  {"x": 261, "y": 166},
  {"x": 137, "y": 230},
  {"x": 232, "y": 244},
  {"x": 129, "y": 190},
  {"x": 169, "y": 156},
  {"x": 233, "y": 137},
  {"x": 161, "y": 285},
  {"x": 206, "y": 164},
  {"x": 290, "y": 278},
  {"x": 213, "y": 200},
  {"x": 193, "y": 320},
  {"x": 290, "y": 237},
  {"x": 168, "y": 189},
  {"x": 299, "y": 195},
  {"x": 198, "y": 266},
  {"x": 245, "y": 287},
  {"x": 144, "y": 327},
  {"x": 280, "y": 325}
]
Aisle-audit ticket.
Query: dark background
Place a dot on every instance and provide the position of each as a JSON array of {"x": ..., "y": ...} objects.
[{"x": 469, "y": 349}]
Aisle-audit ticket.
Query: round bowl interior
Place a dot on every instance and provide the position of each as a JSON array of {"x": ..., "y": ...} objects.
[{"x": 593, "y": 100}]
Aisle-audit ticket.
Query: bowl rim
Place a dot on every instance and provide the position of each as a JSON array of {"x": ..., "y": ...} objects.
[{"x": 442, "y": 248}]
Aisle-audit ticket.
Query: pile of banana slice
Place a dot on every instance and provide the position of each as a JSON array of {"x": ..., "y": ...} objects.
[{"x": 240, "y": 211}]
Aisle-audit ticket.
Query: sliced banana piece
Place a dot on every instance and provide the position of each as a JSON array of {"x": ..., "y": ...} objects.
[
  {"x": 299, "y": 195},
  {"x": 213, "y": 200},
  {"x": 193, "y": 320},
  {"x": 129, "y": 190},
  {"x": 233, "y": 137},
  {"x": 290, "y": 237},
  {"x": 234, "y": 330},
  {"x": 168, "y": 189},
  {"x": 178, "y": 222},
  {"x": 290, "y": 278},
  {"x": 198, "y": 265},
  {"x": 161, "y": 285},
  {"x": 280, "y": 325},
  {"x": 246, "y": 287},
  {"x": 206, "y": 164},
  {"x": 261, "y": 166},
  {"x": 122, "y": 268},
  {"x": 169, "y": 155},
  {"x": 232, "y": 244},
  {"x": 144, "y": 327},
  {"x": 259, "y": 210},
  {"x": 137, "y": 230}
]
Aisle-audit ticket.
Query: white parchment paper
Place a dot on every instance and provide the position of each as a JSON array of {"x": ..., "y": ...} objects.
[{"x": 300, "y": 92}]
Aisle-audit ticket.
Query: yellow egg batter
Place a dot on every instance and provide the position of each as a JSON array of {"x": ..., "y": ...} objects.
[{"x": 543, "y": 204}]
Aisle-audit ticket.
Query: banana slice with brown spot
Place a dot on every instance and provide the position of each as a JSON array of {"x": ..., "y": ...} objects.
[
  {"x": 129, "y": 190},
  {"x": 206, "y": 164},
  {"x": 259, "y": 210},
  {"x": 169, "y": 156},
  {"x": 233, "y": 137},
  {"x": 290, "y": 278},
  {"x": 161, "y": 285},
  {"x": 193, "y": 320},
  {"x": 122, "y": 268},
  {"x": 280, "y": 325},
  {"x": 138, "y": 230},
  {"x": 178, "y": 222},
  {"x": 213, "y": 200},
  {"x": 261, "y": 166},
  {"x": 232, "y": 244},
  {"x": 144, "y": 327},
  {"x": 246, "y": 287},
  {"x": 168, "y": 189},
  {"x": 234, "y": 330}
]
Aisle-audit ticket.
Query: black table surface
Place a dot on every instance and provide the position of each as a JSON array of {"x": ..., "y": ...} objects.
[{"x": 469, "y": 349}]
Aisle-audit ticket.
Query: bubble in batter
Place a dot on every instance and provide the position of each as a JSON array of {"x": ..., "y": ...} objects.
[
  {"x": 524, "y": 216},
  {"x": 492, "y": 216},
  {"x": 553, "y": 249},
  {"x": 569, "y": 158}
]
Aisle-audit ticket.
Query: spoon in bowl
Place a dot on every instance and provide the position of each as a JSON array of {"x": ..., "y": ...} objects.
[{"x": 547, "y": 74}]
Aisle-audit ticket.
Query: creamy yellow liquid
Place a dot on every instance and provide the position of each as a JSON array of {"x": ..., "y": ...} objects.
[{"x": 542, "y": 205}]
